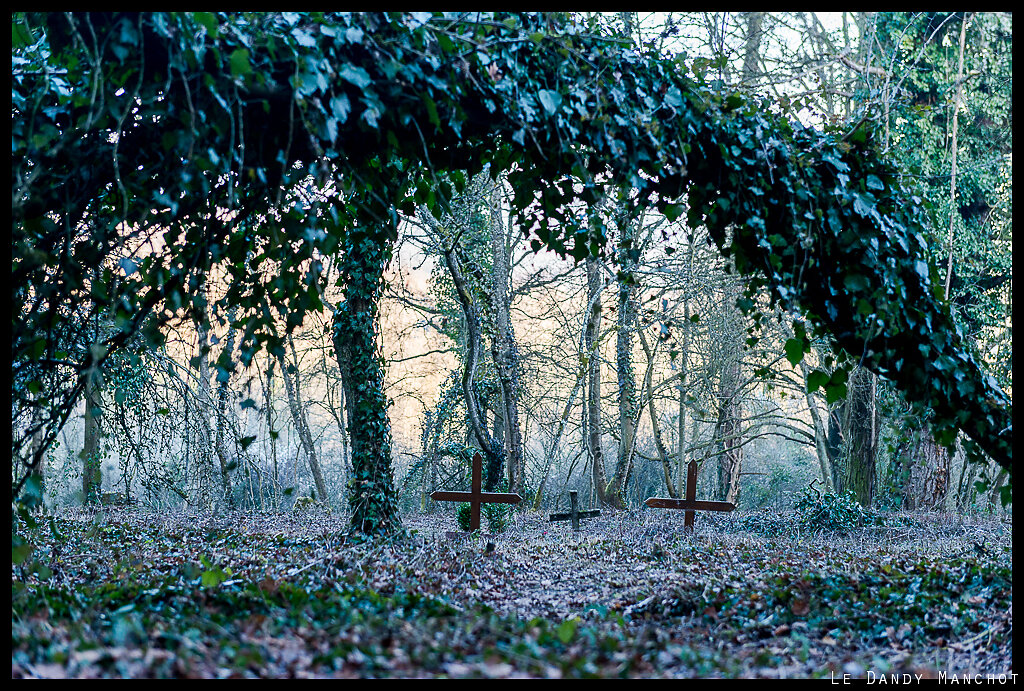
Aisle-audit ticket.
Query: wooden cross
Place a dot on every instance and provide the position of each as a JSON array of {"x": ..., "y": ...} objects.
[
  {"x": 574, "y": 513},
  {"x": 690, "y": 504},
  {"x": 475, "y": 497}
]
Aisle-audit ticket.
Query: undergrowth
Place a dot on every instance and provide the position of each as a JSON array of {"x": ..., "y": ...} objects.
[{"x": 122, "y": 594}]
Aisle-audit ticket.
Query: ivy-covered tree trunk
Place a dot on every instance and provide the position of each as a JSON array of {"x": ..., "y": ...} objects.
[
  {"x": 860, "y": 436},
  {"x": 35, "y": 448},
  {"x": 626, "y": 377},
  {"x": 505, "y": 351},
  {"x": 268, "y": 397},
  {"x": 92, "y": 479},
  {"x": 372, "y": 497}
]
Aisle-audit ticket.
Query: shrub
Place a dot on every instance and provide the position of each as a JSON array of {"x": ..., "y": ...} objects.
[
  {"x": 829, "y": 511},
  {"x": 496, "y": 515},
  {"x": 462, "y": 516}
]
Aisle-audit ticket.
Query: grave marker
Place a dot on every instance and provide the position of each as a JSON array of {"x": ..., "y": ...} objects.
[
  {"x": 475, "y": 496},
  {"x": 574, "y": 513},
  {"x": 690, "y": 504}
]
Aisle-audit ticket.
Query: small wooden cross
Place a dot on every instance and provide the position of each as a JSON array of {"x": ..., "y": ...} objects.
[
  {"x": 690, "y": 504},
  {"x": 475, "y": 497},
  {"x": 574, "y": 513}
]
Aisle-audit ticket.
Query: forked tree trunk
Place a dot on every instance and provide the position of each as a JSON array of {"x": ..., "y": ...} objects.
[
  {"x": 504, "y": 351},
  {"x": 294, "y": 391},
  {"x": 825, "y": 461},
  {"x": 652, "y": 411},
  {"x": 493, "y": 449}
]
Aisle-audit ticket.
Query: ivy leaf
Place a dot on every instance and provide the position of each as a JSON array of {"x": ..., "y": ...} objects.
[
  {"x": 860, "y": 206},
  {"x": 551, "y": 100},
  {"x": 856, "y": 283},
  {"x": 356, "y": 75},
  {"x": 816, "y": 380},
  {"x": 673, "y": 211},
  {"x": 208, "y": 20},
  {"x": 834, "y": 392},
  {"x": 567, "y": 630},
  {"x": 432, "y": 111},
  {"x": 794, "y": 351},
  {"x": 239, "y": 62},
  {"x": 874, "y": 182},
  {"x": 20, "y": 553},
  {"x": 303, "y": 38},
  {"x": 340, "y": 107}
]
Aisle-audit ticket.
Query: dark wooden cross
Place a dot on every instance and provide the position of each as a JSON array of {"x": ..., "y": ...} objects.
[
  {"x": 690, "y": 504},
  {"x": 475, "y": 497},
  {"x": 574, "y": 513}
]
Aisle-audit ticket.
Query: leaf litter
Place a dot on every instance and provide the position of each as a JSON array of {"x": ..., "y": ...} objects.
[{"x": 117, "y": 593}]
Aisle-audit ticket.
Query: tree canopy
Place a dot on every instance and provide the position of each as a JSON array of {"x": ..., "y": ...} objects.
[{"x": 148, "y": 148}]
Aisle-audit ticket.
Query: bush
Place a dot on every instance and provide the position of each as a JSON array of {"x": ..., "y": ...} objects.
[
  {"x": 496, "y": 515},
  {"x": 829, "y": 511}
]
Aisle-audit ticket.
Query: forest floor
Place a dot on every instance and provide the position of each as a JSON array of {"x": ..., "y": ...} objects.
[{"x": 118, "y": 593}]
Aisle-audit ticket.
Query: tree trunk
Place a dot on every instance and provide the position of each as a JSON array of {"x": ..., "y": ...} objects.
[
  {"x": 652, "y": 411},
  {"x": 494, "y": 452},
  {"x": 929, "y": 476},
  {"x": 294, "y": 391},
  {"x": 372, "y": 497},
  {"x": 684, "y": 376},
  {"x": 35, "y": 450},
  {"x": 504, "y": 351},
  {"x": 222, "y": 413},
  {"x": 593, "y": 415},
  {"x": 860, "y": 436},
  {"x": 825, "y": 461},
  {"x": 752, "y": 49},
  {"x": 728, "y": 427},
  {"x": 627, "y": 396},
  {"x": 205, "y": 404},
  {"x": 953, "y": 209},
  {"x": 268, "y": 396},
  {"x": 92, "y": 479},
  {"x": 549, "y": 457},
  {"x": 834, "y": 444},
  {"x": 728, "y": 431}
]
